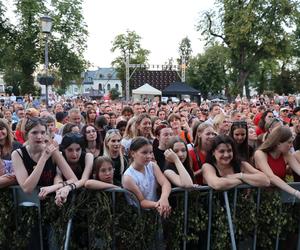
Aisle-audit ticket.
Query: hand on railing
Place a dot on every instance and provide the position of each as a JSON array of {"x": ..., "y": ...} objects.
[
  {"x": 44, "y": 191},
  {"x": 163, "y": 208}
]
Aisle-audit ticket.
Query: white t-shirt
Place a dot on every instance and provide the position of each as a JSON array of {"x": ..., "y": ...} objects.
[{"x": 146, "y": 182}]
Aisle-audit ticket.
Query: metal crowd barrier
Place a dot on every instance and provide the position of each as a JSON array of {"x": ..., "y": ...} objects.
[{"x": 230, "y": 212}]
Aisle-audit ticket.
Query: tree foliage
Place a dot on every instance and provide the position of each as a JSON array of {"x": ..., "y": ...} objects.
[
  {"x": 24, "y": 53},
  {"x": 209, "y": 72},
  {"x": 185, "y": 51},
  {"x": 128, "y": 44},
  {"x": 252, "y": 31}
]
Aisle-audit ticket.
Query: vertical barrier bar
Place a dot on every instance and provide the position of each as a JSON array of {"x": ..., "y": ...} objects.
[
  {"x": 69, "y": 226},
  {"x": 234, "y": 202},
  {"x": 233, "y": 244},
  {"x": 209, "y": 218},
  {"x": 257, "y": 212},
  {"x": 185, "y": 225},
  {"x": 114, "y": 211},
  {"x": 298, "y": 245}
]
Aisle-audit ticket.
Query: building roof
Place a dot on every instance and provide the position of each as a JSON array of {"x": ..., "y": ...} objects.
[{"x": 100, "y": 74}]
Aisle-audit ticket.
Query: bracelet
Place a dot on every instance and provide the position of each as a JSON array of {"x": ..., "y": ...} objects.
[
  {"x": 296, "y": 192},
  {"x": 64, "y": 183},
  {"x": 73, "y": 186},
  {"x": 241, "y": 175}
]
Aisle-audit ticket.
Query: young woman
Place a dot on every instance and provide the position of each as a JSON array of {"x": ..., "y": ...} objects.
[
  {"x": 266, "y": 117},
  {"x": 80, "y": 162},
  {"x": 128, "y": 135},
  {"x": 143, "y": 126},
  {"x": 35, "y": 164},
  {"x": 175, "y": 122},
  {"x": 203, "y": 141},
  {"x": 239, "y": 134},
  {"x": 163, "y": 135},
  {"x": 223, "y": 170},
  {"x": 143, "y": 177},
  {"x": 103, "y": 173},
  {"x": 93, "y": 142},
  {"x": 7, "y": 146},
  {"x": 113, "y": 150},
  {"x": 91, "y": 115},
  {"x": 178, "y": 169},
  {"x": 274, "y": 155}
]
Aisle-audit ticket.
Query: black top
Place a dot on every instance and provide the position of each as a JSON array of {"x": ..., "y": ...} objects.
[
  {"x": 160, "y": 158},
  {"x": 49, "y": 171},
  {"x": 117, "y": 171},
  {"x": 171, "y": 166},
  {"x": 78, "y": 171}
]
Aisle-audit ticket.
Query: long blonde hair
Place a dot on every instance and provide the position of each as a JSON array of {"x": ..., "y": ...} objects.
[
  {"x": 200, "y": 129},
  {"x": 128, "y": 134},
  {"x": 109, "y": 134}
]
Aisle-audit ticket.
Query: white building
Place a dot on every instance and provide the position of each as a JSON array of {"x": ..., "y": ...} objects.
[{"x": 101, "y": 81}]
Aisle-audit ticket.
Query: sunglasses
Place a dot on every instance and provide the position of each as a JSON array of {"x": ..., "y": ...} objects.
[
  {"x": 113, "y": 130},
  {"x": 240, "y": 123},
  {"x": 40, "y": 120},
  {"x": 74, "y": 135}
]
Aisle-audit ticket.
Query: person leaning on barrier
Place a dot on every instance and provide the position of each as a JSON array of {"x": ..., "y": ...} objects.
[
  {"x": 273, "y": 156},
  {"x": 223, "y": 170},
  {"x": 35, "y": 164},
  {"x": 103, "y": 174},
  {"x": 178, "y": 168},
  {"x": 143, "y": 177},
  {"x": 80, "y": 162}
]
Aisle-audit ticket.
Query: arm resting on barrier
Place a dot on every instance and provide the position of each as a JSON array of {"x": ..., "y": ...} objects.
[
  {"x": 182, "y": 179},
  {"x": 216, "y": 182},
  {"x": 252, "y": 176},
  {"x": 28, "y": 182},
  {"x": 262, "y": 164},
  {"x": 7, "y": 180},
  {"x": 129, "y": 184},
  {"x": 98, "y": 185},
  {"x": 163, "y": 207}
]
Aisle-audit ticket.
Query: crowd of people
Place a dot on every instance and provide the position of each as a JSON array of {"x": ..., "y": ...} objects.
[{"x": 149, "y": 147}]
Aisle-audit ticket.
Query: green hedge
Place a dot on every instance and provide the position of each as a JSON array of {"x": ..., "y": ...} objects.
[{"x": 95, "y": 223}]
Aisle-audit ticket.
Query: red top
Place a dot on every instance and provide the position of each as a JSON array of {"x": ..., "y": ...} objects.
[
  {"x": 278, "y": 166},
  {"x": 259, "y": 131},
  {"x": 198, "y": 178}
]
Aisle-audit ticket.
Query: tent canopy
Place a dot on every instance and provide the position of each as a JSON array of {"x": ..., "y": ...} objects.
[
  {"x": 179, "y": 88},
  {"x": 146, "y": 89}
]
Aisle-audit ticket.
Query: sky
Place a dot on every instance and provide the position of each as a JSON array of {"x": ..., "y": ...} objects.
[{"x": 162, "y": 24}]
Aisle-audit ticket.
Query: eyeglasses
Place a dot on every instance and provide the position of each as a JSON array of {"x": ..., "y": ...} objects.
[{"x": 113, "y": 130}]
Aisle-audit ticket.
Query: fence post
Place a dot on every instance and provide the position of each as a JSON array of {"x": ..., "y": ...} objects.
[
  {"x": 209, "y": 218},
  {"x": 233, "y": 244},
  {"x": 257, "y": 211},
  {"x": 186, "y": 196}
]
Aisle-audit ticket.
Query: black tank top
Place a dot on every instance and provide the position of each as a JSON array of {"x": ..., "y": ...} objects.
[{"x": 49, "y": 171}]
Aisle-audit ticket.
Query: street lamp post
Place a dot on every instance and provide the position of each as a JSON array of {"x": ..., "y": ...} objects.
[{"x": 46, "y": 26}]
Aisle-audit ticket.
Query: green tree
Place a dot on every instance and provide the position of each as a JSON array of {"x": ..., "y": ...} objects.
[
  {"x": 210, "y": 72},
  {"x": 128, "y": 44},
  {"x": 114, "y": 94},
  {"x": 252, "y": 30},
  {"x": 185, "y": 51},
  {"x": 24, "y": 55}
]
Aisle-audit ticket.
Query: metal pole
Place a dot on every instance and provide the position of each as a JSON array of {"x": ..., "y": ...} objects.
[
  {"x": 46, "y": 69},
  {"x": 127, "y": 78},
  {"x": 183, "y": 69}
]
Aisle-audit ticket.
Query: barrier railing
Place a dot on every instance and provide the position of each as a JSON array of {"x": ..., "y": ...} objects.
[{"x": 229, "y": 207}]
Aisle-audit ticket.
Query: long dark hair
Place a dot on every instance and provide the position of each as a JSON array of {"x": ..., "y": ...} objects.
[
  {"x": 243, "y": 148},
  {"x": 99, "y": 139},
  {"x": 187, "y": 162},
  {"x": 225, "y": 139}
]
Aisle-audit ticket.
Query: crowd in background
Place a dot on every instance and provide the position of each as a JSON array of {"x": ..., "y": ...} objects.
[{"x": 148, "y": 147}]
